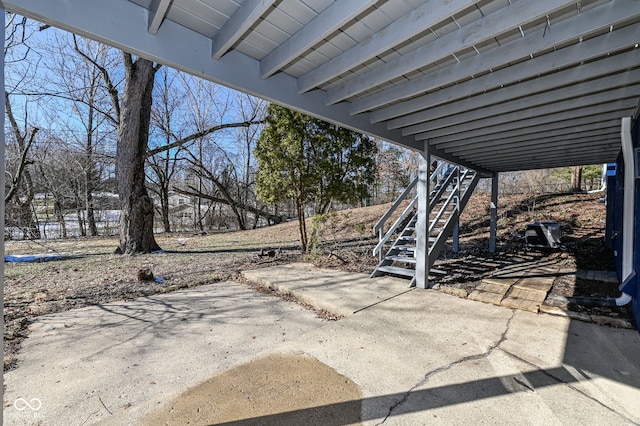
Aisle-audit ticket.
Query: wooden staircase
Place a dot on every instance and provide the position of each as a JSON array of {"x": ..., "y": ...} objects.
[{"x": 451, "y": 187}]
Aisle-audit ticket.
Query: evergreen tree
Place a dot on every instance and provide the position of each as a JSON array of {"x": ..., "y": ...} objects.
[{"x": 304, "y": 160}]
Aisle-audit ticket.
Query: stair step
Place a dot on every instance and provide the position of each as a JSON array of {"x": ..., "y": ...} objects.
[
  {"x": 407, "y": 238},
  {"x": 405, "y": 249},
  {"x": 406, "y": 259},
  {"x": 394, "y": 270},
  {"x": 441, "y": 220}
]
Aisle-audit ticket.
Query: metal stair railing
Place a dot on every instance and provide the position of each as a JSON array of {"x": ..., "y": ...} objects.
[
  {"x": 378, "y": 228},
  {"x": 441, "y": 188},
  {"x": 435, "y": 196},
  {"x": 463, "y": 195},
  {"x": 461, "y": 183},
  {"x": 442, "y": 210},
  {"x": 378, "y": 249}
]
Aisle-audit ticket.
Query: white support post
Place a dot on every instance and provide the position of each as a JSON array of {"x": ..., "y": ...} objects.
[
  {"x": 493, "y": 226},
  {"x": 455, "y": 246},
  {"x": 629, "y": 198},
  {"x": 422, "y": 222}
]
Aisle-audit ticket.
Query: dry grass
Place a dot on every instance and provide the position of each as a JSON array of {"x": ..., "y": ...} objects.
[{"x": 91, "y": 274}]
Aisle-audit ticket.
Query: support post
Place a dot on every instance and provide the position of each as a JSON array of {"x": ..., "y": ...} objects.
[
  {"x": 629, "y": 198},
  {"x": 455, "y": 246},
  {"x": 493, "y": 225},
  {"x": 422, "y": 222},
  {"x": 380, "y": 236}
]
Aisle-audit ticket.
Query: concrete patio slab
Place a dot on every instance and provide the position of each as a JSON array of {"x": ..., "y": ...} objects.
[
  {"x": 418, "y": 357},
  {"x": 338, "y": 292},
  {"x": 116, "y": 362}
]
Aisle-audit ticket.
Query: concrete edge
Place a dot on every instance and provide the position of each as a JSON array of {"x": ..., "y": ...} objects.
[
  {"x": 596, "y": 319},
  {"x": 316, "y": 303}
]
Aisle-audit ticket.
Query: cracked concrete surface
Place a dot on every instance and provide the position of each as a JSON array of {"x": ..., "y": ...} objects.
[
  {"x": 417, "y": 357},
  {"x": 430, "y": 358},
  {"x": 439, "y": 370}
]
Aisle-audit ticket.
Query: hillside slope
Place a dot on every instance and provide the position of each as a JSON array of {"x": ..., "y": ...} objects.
[{"x": 89, "y": 273}]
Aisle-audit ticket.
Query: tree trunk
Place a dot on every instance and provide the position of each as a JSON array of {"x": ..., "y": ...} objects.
[
  {"x": 91, "y": 218},
  {"x": 30, "y": 227},
  {"x": 164, "y": 204},
  {"x": 81, "y": 223},
  {"x": 90, "y": 173},
  {"x": 136, "y": 218},
  {"x": 576, "y": 179},
  {"x": 302, "y": 225},
  {"x": 57, "y": 208}
]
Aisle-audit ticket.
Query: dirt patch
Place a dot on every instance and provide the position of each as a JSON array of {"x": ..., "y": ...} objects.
[
  {"x": 570, "y": 285},
  {"x": 279, "y": 389}
]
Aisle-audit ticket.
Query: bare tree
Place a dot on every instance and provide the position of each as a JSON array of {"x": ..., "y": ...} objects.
[
  {"x": 78, "y": 82},
  {"x": 16, "y": 51},
  {"x": 207, "y": 108},
  {"x": 59, "y": 175},
  {"x": 129, "y": 91},
  {"x": 169, "y": 100},
  {"x": 132, "y": 115}
]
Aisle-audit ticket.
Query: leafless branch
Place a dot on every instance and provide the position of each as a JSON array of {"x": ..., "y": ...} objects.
[
  {"x": 111, "y": 88},
  {"x": 15, "y": 182},
  {"x": 200, "y": 134}
]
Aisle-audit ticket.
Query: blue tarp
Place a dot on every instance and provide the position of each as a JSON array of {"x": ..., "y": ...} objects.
[{"x": 33, "y": 258}]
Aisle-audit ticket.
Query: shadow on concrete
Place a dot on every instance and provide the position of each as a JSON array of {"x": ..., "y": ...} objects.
[
  {"x": 418, "y": 400},
  {"x": 590, "y": 353},
  {"x": 350, "y": 412}
]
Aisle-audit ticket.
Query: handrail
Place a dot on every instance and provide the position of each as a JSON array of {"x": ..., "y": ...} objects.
[
  {"x": 464, "y": 193},
  {"x": 449, "y": 194},
  {"x": 392, "y": 229},
  {"x": 435, "y": 196},
  {"x": 458, "y": 188},
  {"x": 380, "y": 224},
  {"x": 440, "y": 187},
  {"x": 441, "y": 211},
  {"x": 394, "y": 206}
]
